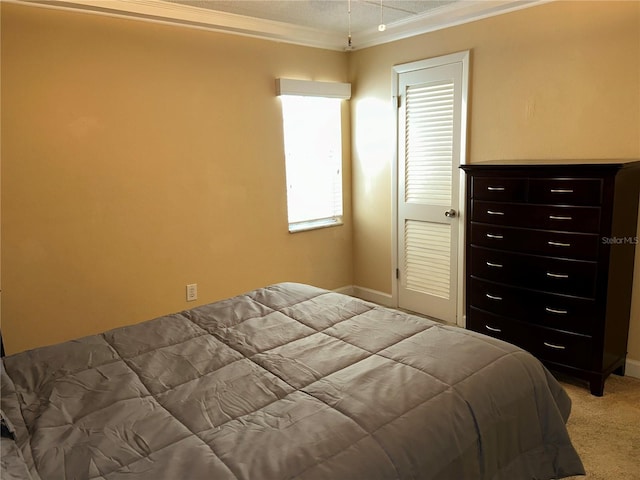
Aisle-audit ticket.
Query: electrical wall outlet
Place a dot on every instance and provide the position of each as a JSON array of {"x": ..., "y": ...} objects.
[{"x": 192, "y": 292}]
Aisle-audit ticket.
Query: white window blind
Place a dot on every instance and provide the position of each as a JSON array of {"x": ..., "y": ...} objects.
[{"x": 313, "y": 152}]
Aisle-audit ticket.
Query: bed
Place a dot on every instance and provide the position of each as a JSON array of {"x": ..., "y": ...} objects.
[{"x": 287, "y": 381}]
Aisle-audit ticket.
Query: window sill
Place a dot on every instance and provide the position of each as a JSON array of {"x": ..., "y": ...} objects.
[{"x": 314, "y": 225}]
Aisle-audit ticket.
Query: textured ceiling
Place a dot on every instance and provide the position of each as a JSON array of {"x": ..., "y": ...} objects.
[{"x": 329, "y": 15}]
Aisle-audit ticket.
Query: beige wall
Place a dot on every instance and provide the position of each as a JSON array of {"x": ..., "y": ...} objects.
[
  {"x": 560, "y": 80},
  {"x": 138, "y": 158}
]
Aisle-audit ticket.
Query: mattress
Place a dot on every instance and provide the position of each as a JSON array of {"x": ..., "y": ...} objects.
[{"x": 285, "y": 382}]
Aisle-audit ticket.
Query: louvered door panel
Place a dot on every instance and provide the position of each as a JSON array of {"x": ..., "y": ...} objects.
[
  {"x": 429, "y": 143},
  {"x": 428, "y": 257}
]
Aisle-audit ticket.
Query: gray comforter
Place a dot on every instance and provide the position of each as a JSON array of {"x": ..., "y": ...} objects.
[{"x": 287, "y": 381}]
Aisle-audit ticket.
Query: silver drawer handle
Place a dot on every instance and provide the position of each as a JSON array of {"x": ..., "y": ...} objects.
[
  {"x": 551, "y": 345},
  {"x": 492, "y": 297},
  {"x": 493, "y": 235},
  {"x": 557, "y": 217},
  {"x": 555, "y": 310},
  {"x": 558, "y": 244},
  {"x": 493, "y": 329},
  {"x": 494, "y": 265},
  {"x": 562, "y": 190},
  {"x": 557, "y": 275},
  {"x": 494, "y": 212},
  {"x": 495, "y": 189}
]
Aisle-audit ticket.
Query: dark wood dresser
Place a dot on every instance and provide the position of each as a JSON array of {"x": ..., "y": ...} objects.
[{"x": 550, "y": 258}]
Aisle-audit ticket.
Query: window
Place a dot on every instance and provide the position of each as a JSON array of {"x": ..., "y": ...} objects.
[{"x": 313, "y": 152}]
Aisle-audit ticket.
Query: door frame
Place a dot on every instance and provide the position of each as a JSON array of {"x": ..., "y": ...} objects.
[{"x": 463, "y": 57}]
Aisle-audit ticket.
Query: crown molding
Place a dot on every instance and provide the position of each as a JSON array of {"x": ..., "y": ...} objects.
[
  {"x": 159, "y": 11},
  {"x": 448, "y": 16}
]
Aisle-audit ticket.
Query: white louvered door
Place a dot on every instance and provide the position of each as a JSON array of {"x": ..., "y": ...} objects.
[{"x": 429, "y": 154}]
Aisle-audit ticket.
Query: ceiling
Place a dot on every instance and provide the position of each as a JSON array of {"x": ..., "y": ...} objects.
[
  {"x": 332, "y": 15},
  {"x": 317, "y": 23}
]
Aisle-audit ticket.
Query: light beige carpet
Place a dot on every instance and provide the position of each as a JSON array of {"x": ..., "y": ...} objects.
[{"x": 606, "y": 430}]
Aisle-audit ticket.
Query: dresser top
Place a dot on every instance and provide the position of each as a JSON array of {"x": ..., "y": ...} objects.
[{"x": 554, "y": 162}]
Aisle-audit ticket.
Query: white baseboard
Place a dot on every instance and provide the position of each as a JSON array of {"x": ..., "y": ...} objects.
[
  {"x": 375, "y": 296},
  {"x": 346, "y": 290},
  {"x": 381, "y": 298},
  {"x": 632, "y": 368}
]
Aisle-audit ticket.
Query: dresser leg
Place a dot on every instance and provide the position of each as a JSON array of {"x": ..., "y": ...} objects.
[
  {"x": 620, "y": 370},
  {"x": 597, "y": 387}
]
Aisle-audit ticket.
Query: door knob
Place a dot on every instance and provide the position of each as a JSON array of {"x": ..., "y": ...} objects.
[{"x": 450, "y": 213}]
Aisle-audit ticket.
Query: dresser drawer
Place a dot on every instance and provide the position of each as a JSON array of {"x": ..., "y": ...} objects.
[
  {"x": 545, "y": 343},
  {"x": 560, "y": 347},
  {"x": 582, "y": 246},
  {"x": 561, "y": 312},
  {"x": 499, "y": 299},
  {"x": 499, "y": 189},
  {"x": 549, "y": 274},
  {"x": 565, "y": 191},
  {"x": 493, "y": 325},
  {"x": 571, "y": 219}
]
